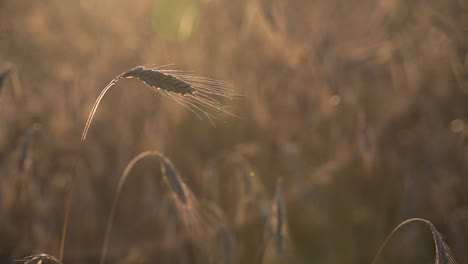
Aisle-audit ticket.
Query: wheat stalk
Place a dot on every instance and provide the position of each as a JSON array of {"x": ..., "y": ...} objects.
[
  {"x": 176, "y": 184},
  {"x": 192, "y": 92},
  {"x": 443, "y": 253}
]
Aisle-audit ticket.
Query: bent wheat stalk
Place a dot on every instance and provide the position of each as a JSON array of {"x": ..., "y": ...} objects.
[
  {"x": 174, "y": 181},
  {"x": 195, "y": 93},
  {"x": 443, "y": 253}
]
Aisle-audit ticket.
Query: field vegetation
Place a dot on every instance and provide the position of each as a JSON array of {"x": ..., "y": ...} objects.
[{"x": 247, "y": 131}]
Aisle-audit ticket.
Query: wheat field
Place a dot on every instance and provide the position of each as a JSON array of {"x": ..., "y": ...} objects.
[{"x": 248, "y": 131}]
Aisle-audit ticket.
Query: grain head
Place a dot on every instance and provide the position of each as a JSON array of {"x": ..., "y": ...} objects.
[
  {"x": 197, "y": 94},
  {"x": 39, "y": 259}
]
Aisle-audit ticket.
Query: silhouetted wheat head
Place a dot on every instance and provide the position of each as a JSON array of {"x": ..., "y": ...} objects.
[
  {"x": 39, "y": 259},
  {"x": 197, "y": 94}
]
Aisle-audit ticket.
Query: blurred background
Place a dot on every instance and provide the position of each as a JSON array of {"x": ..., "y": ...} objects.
[{"x": 360, "y": 107}]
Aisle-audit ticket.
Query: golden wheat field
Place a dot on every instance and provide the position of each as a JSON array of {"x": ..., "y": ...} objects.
[{"x": 246, "y": 131}]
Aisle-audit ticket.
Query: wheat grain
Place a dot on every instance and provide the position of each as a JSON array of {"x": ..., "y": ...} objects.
[{"x": 160, "y": 80}]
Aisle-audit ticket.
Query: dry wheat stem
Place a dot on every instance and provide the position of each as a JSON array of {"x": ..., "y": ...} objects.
[
  {"x": 122, "y": 180},
  {"x": 443, "y": 253},
  {"x": 173, "y": 179}
]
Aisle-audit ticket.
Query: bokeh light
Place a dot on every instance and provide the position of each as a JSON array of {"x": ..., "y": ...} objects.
[{"x": 175, "y": 20}]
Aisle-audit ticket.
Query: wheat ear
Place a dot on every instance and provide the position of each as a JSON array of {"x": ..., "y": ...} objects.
[
  {"x": 443, "y": 253},
  {"x": 39, "y": 259},
  {"x": 193, "y": 92}
]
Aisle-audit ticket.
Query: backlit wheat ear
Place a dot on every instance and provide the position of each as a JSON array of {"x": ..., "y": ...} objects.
[
  {"x": 39, "y": 259},
  {"x": 160, "y": 80},
  {"x": 192, "y": 92},
  {"x": 443, "y": 253},
  {"x": 176, "y": 184}
]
